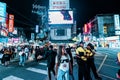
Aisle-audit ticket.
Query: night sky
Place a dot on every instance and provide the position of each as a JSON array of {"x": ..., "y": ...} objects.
[{"x": 85, "y": 9}]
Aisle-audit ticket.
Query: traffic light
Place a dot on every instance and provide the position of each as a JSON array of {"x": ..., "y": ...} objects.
[{"x": 105, "y": 29}]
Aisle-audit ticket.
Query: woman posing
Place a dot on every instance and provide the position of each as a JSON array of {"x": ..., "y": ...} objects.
[{"x": 63, "y": 65}]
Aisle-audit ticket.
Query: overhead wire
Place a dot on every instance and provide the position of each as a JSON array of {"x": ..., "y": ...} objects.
[
  {"x": 18, "y": 21},
  {"x": 21, "y": 15}
]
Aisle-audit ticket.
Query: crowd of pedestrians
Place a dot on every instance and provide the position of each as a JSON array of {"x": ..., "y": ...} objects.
[{"x": 60, "y": 59}]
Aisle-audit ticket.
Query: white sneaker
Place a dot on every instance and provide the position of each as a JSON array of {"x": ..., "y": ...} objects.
[{"x": 117, "y": 76}]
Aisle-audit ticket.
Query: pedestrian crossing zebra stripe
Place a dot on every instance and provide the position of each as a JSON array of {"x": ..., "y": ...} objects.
[
  {"x": 44, "y": 64},
  {"x": 41, "y": 71},
  {"x": 11, "y": 77}
]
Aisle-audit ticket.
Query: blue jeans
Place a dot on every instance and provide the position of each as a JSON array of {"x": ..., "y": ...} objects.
[
  {"x": 63, "y": 75},
  {"x": 22, "y": 60}
]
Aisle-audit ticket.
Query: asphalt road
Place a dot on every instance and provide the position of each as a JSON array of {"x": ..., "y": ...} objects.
[{"x": 104, "y": 60}]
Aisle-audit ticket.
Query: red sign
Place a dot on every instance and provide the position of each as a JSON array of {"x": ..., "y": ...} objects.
[
  {"x": 87, "y": 28},
  {"x": 7, "y": 21},
  {"x": 11, "y": 23}
]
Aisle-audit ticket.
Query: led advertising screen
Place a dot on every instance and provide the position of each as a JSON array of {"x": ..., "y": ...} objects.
[
  {"x": 2, "y": 12},
  {"x": 60, "y": 17}
]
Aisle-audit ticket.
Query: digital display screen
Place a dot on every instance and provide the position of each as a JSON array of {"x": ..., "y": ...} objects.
[{"x": 60, "y": 17}]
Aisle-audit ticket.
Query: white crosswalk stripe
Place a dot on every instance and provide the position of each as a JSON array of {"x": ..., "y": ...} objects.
[
  {"x": 43, "y": 64},
  {"x": 12, "y": 78},
  {"x": 41, "y": 71},
  {"x": 32, "y": 69}
]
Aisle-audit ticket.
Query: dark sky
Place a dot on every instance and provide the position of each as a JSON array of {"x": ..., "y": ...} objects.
[{"x": 85, "y": 9}]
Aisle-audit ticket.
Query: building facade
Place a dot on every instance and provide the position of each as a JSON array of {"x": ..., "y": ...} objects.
[
  {"x": 61, "y": 20},
  {"x": 105, "y": 29}
]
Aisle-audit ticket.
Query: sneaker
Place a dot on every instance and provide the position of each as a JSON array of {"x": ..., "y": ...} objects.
[{"x": 118, "y": 76}]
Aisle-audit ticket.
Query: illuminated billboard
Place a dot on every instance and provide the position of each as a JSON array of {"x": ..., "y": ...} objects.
[
  {"x": 2, "y": 12},
  {"x": 117, "y": 22},
  {"x": 11, "y": 23},
  {"x": 59, "y": 4},
  {"x": 60, "y": 17}
]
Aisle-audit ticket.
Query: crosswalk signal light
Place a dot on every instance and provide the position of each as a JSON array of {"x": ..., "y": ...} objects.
[{"x": 105, "y": 29}]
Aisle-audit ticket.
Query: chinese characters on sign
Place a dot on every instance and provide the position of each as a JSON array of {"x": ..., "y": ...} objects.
[{"x": 58, "y": 4}]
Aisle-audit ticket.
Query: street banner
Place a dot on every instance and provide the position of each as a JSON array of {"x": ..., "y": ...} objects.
[
  {"x": 59, "y": 4},
  {"x": 7, "y": 21},
  {"x": 32, "y": 36},
  {"x": 37, "y": 29},
  {"x": 11, "y": 23},
  {"x": 2, "y": 12},
  {"x": 86, "y": 29},
  {"x": 116, "y": 22}
]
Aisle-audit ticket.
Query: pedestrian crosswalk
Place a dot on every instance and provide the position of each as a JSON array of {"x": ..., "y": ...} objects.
[
  {"x": 36, "y": 70},
  {"x": 43, "y": 64},
  {"x": 11, "y": 77}
]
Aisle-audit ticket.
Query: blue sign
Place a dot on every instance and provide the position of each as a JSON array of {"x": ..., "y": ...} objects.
[
  {"x": 37, "y": 29},
  {"x": 32, "y": 36},
  {"x": 2, "y": 12},
  {"x": 5, "y": 40}
]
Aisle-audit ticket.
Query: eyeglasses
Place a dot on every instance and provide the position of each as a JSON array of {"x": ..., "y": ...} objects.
[{"x": 64, "y": 60}]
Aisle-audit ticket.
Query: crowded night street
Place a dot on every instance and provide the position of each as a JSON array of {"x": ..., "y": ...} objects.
[{"x": 105, "y": 61}]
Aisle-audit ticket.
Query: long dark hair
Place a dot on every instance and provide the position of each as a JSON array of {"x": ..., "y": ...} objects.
[
  {"x": 60, "y": 50},
  {"x": 60, "y": 53}
]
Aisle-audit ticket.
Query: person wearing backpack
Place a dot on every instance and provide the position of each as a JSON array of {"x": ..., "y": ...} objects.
[
  {"x": 22, "y": 57},
  {"x": 63, "y": 65}
]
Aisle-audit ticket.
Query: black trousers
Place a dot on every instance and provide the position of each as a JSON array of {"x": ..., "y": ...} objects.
[
  {"x": 49, "y": 72},
  {"x": 83, "y": 71},
  {"x": 91, "y": 66}
]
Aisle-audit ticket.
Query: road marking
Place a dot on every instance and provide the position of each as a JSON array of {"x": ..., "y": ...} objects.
[
  {"x": 43, "y": 64},
  {"x": 108, "y": 77},
  {"x": 107, "y": 59},
  {"x": 109, "y": 66},
  {"x": 37, "y": 70},
  {"x": 102, "y": 63},
  {"x": 12, "y": 78}
]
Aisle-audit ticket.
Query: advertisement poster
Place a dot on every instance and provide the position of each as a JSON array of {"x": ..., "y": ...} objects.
[
  {"x": 2, "y": 12},
  {"x": 58, "y": 4}
]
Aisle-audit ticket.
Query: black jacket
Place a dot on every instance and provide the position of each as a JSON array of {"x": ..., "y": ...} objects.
[{"x": 50, "y": 56}]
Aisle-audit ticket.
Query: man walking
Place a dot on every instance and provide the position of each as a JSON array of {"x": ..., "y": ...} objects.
[{"x": 50, "y": 57}]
